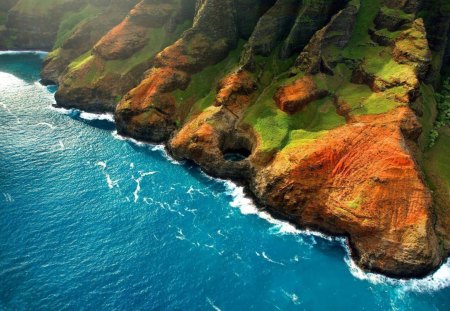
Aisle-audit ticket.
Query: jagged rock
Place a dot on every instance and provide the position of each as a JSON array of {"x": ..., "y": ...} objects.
[
  {"x": 84, "y": 37},
  {"x": 213, "y": 34},
  {"x": 408, "y": 6},
  {"x": 293, "y": 97},
  {"x": 131, "y": 34},
  {"x": 411, "y": 48},
  {"x": 35, "y": 29},
  {"x": 271, "y": 29},
  {"x": 392, "y": 19},
  {"x": 312, "y": 16},
  {"x": 338, "y": 32}
]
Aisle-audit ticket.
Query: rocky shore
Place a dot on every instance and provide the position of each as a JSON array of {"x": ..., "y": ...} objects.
[{"x": 323, "y": 108}]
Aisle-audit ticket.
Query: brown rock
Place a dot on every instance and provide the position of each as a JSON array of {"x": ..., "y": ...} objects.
[{"x": 293, "y": 97}]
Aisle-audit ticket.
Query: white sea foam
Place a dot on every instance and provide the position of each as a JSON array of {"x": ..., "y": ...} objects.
[
  {"x": 152, "y": 147},
  {"x": 61, "y": 110},
  {"x": 267, "y": 258},
  {"x": 129, "y": 139},
  {"x": 211, "y": 303},
  {"x": 8, "y": 197},
  {"x": 434, "y": 282},
  {"x": 97, "y": 116},
  {"x": 51, "y": 126},
  {"x": 165, "y": 154},
  {"x": 61, "y": 145},
  {"x": 102, "y": 164},
  {"x": 111, "y": 183},
  {"x": 42, "y": 54},
  {"x": 138, "y": 183}
]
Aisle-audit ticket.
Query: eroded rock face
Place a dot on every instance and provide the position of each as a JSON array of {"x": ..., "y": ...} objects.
[
  {"x": 85, "y": 35},
  {"x": 119, "y": 59},
  {"x": 311, "y": 60},
  {"x": 291, "y": 98},
  {"x": 349, "y": 182},
  {"x": 34, "y": 29},
  {"x": 213, "y": 34}
]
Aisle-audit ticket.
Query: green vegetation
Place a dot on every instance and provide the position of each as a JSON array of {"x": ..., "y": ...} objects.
[
  {"x": 156, "y": 42},
  {"x": 443, "y": 112},
  {"x": 397, "y": 13},
  {"x": 201, "y": 92},
  {"x": 3, "y": 17},
  {"x": 437, "y": 162},
  {"x": 355, "y": 203},
  {"x": 429, "y": 114},
  {"x": 278, "y": 129},
  {"x": 158, "y": 38},
  {"x": 37, "y": 7},
  {"x": 80, "y": 61},
  {"x": 71, "y": 20}
]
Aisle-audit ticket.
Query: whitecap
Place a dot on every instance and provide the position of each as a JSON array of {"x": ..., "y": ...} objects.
[
  {"x": 180, "y": 235},
  {"x": 211, "y": 303},
  {"x": 42, "y": 54},
  {"x": 293, "y": 297},
  {"x": 264, "y": 255},
  {"x": 434, "y": 282},
  {"x": 111, "y": 183},
  {"x": 8, "y": 197},
  {"x": 51, "y": 126},
  {"x": 138, "y": 183},
  {"x": 89, "y": 116},
  {"x": 61, "y": 145},
  {"x": 61, "y": 110},
  {"x": 101, "y": 164}
]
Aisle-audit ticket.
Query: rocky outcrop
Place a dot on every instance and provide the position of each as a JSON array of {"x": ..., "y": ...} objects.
[
  {"x": 338, "y": 32},
  {"x": 119, "y": 59},
  {"x": 31, "y": 26},
  {"x": 151, "y": 105},
  {"x": 350, "y": 182},
  {"x": 83, "y": 37},
  {"x": 293, "y": 97}
]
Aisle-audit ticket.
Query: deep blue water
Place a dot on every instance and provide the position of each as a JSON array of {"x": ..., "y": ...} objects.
[{"x": 89, "y": 221}]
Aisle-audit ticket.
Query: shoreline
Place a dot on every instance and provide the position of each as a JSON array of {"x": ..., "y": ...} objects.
[
  {"x": 437, "y": 279},
  {"x": 269, "y": 214}
]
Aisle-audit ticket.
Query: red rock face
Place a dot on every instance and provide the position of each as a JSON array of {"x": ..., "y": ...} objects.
[
  {"x": 292, "y": 98},
  {"x": 359, "y": 180}
]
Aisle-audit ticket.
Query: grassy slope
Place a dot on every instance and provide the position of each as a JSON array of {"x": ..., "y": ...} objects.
[
  {"x": 201, "y": 91},
  {"x": 278, "y": 129},
  {"x": 37, "y": 7},
  {"x": 158, "y": 38},
  {"x": 71, "y": 20}
]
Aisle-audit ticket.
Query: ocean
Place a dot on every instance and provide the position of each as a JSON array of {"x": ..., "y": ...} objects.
[{"x": 90, "y": 220}]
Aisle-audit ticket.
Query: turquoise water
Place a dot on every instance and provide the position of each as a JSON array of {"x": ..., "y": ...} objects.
[{"x": 89, "y": 220}]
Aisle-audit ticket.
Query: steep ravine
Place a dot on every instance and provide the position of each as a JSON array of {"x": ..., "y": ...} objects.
[{"x": 323, "y": 108}]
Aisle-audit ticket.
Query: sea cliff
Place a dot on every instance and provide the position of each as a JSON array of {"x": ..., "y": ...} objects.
[{"x": 334, "y": 113}]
